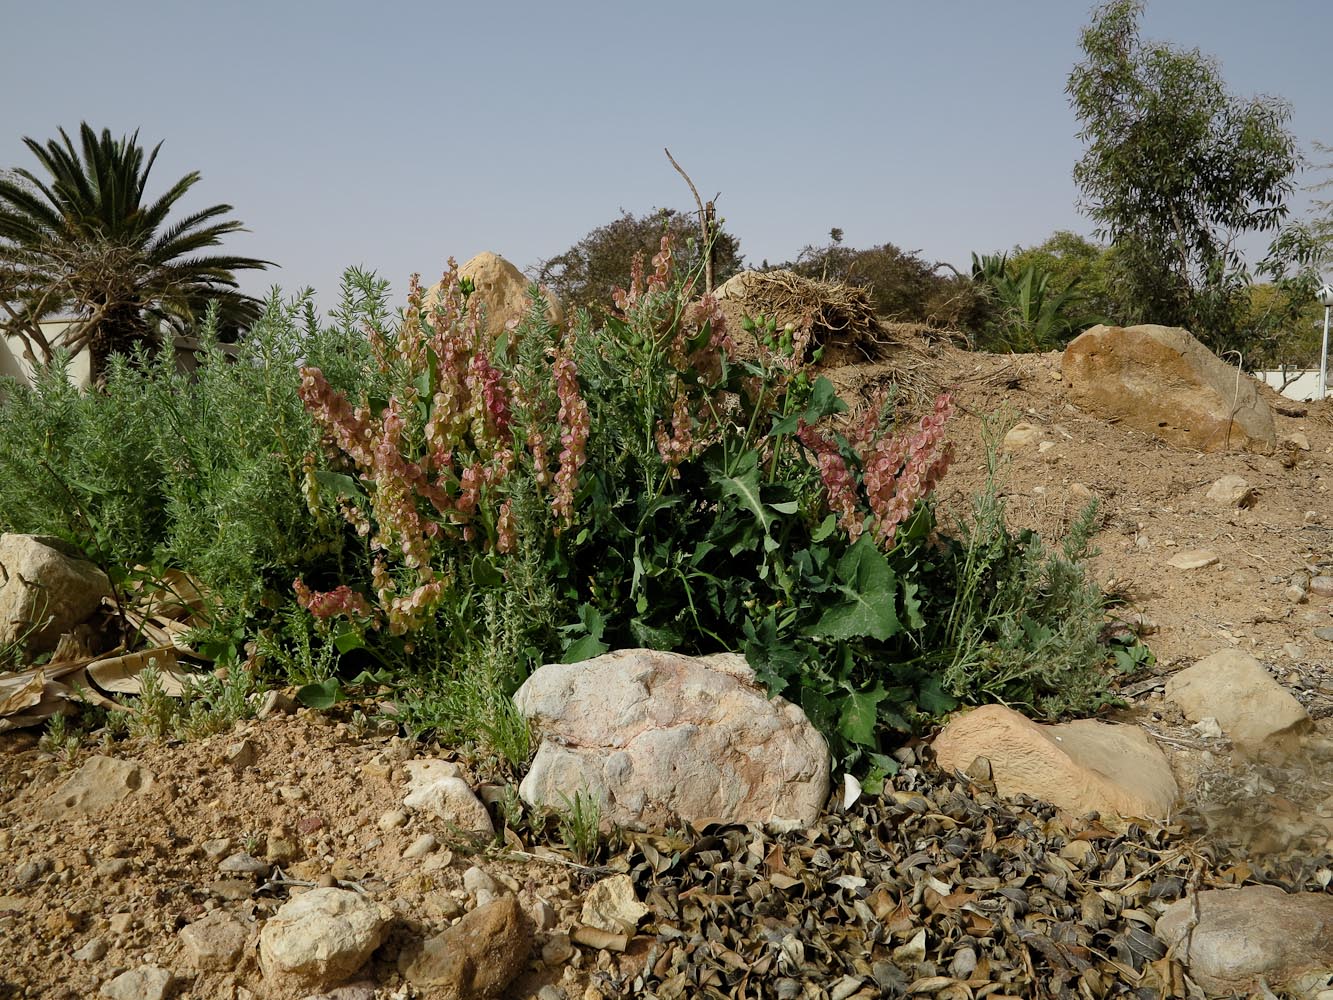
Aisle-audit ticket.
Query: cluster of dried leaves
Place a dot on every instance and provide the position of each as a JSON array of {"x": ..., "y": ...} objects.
[{"x": 937, "y": 888}]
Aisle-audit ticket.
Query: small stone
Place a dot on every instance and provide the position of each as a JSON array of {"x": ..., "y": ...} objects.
[
  {"x": 120, "y": 923},
  {"x": 1297, "y": 440},
  {"x": 30, "y": 871},
  {"x": 550, "y": 992},
  {"x": 93, "y": 950},
  {"x": 113, "y": 868},
  {"x": 145, "y": 983},
  {"x": 1022, "y": 434},
  {"x": 1314, "y": 517},
  {"x": 1239, "y": 694},
  {"x": 232, "y": 889},
  {"x": 1296, "y": 595},
  {"x": 1231, "y": 491},
  {"x": 291, "y": 793},
  {"x": 218, "y": 848},
  {"x": 435, "y": 786},
  {"x": 611, "y": 905},
  {"x": 420, "y": 847},
  {"x": 100, "y": 783},
  {"x": 1322, "y": 586},
  {"x": 542, "y": 915},
  {"x": 308, "y": 825},
  {"x": 280, "y": 849},
  {"x": 214, "y": 943},
  {"x": 242, "y": 863},
  {"x": 1292, "y": 651},
  {"x": 242, "y": 755},
  {"x": 322, "y": 936},
  {"x": 1193, "y": 559},
  {"x": 477, "y": 881},
  {"x": 275, "y": 703},
  {"x": 1208, "y": 727},
  {"x": 1325, "y": 633},
  {"x": 477, "y": 957},
  {"x": 392, "y": 820},
  {"x": 557, "y": 949}
]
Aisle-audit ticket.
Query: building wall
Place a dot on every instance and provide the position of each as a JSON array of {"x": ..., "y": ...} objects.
[{"x": 1301, "y": 385}]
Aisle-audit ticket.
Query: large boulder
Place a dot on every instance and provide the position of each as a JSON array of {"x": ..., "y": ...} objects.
[
  {"x": 1160, "y": 380},
  {"x": 1082, "y": 767},
  {"x": 1243, "y": 936},
  {"x": 503, "y": 292},
  {"x": 659, "y": 737},
  {"x": 46, "y": 588},
  {"x": 1233, "y": 687}
]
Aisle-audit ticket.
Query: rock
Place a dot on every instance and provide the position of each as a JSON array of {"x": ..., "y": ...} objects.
[
  {"x": 94, "y": 950},
  {"x": 1321, "y": 586},
  {"x": 322, "y": 936},
  {"x": 481, "y": 886},
  {"x": 218, "y": 848},
  {"x": 30, "y": 871},
  {"x": 558, "y": 949},
  {"x": 214, "y": 943},
  {"x": 1083, "y": 766},
  {"x": 420, "y": 847},
  {"x": 435, "y": 786},
  {"x": 1297, "y": 440},
  {"x": 242, "y": 755},
  {"x": 611, "y": 905},
  {"x": 1325, "y": 633},
  {"x": 1235, "y": 689},
  {"x": 1162, "y": 381},
  {"x": 1248, "y": 934},
  {"x": 1231, "y": 491},
  {"x": 392, "y": 820},
  {"x": 145, "y": 983},
  {"x": 46, "y": 589},
  {"x": 659, "y": 737},
  {"x": 243, "y": 864},
  {"x": 476, "y": 958},
  {"x": 1193, "y": 559},
  {"x": 502, "y": 291},
  {"x": 1022, "y": 434},
  {"x": 273, "y": 703},
  {"x": 100, "y": 783}
]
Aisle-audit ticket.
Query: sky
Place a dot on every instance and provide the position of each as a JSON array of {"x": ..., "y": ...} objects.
[{"x": 396, "y": 135}]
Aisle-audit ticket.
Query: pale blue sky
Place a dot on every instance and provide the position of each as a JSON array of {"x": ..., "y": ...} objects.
[{"x": 395, "y": 135}]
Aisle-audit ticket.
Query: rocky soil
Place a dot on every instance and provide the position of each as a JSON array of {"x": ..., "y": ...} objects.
[{"x": 161, "y": 873}]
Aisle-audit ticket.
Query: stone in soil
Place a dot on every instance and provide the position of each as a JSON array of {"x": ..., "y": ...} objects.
[
  {"x": 322, "y": 936},
  {"x": 1082, "y": 767},
  {"x": 1234, "y": 688},
  {"x": 1193, "y": 559},
  {"x": 1230, "y": 491},
  {"x": 476, "y": 958},
  {"x": 145, "y": 983},
  {"x": 435, "y": 786},
  {"x": 658, "y": 737},
  {"x": 214, "y": 943},
  {"x": 46, "y": 589},
  {"x": 611, "y": 905},
  {"x": 99, "y": 784},
  {"x": 1246, "y": 935}
]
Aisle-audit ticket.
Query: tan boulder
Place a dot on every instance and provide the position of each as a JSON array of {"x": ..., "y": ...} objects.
[
  {"x": 1234, "y": 688},
  {"x": 503, "y": 292},
  {"x": 1082, "y": 767},
  {"x": 1162, "y": 381},
  {"x": 322, "y": 936},
  {"x": 46, "y": 588},
  {"x": 658, "y": 737},
  {"x": 1250, "y": 934},
  {"x": 474, "y": 959}
]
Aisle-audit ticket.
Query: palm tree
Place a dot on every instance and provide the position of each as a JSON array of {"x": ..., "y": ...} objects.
[{"x": 83, "y": 243}]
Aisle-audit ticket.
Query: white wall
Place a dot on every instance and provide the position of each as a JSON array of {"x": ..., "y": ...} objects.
[{"x": 1303, "y": 385}]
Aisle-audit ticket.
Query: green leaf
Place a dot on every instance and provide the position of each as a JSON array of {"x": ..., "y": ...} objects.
[
  {"x": 348, "y": 639},
  {"x": 880, "y": 768},
  {"x": 826, "y": 528},
  {"x": 340, "y": 485},
  {"x": 324, "y": 694},
  {"x": 584, "y": 649},
  {"x": 484, "y": 574},
  {"x": 653, "y": 636},
  {"x": 745, "y": 488},
  {"x": 934, "y": 699},
  {"x": 867, "y": 608},
  {"x": 859, "y": 715}
]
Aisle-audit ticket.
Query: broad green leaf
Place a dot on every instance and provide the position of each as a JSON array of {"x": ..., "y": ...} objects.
[
  {"x": 826, "y": 528},
  {"x": 653, "y": 637},
  {"x": 858, "y": 716},
  {"x": 340, "y": 485},
  {"x": 484, "y": 574},
  {"x": 348, "y": 639},
  {"x": 584, "y": 649},
  {"x": 745, "y": 488},
  {"x": 324, "y": 694},
  {"x": 867, "y": 607}
]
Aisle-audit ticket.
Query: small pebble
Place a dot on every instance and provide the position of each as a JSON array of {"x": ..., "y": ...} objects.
[
  {"x": 94, "y": 950},
  {"x": 393, "y": 819},
  {"x": 420, "y": 847},
  {"x": 243, "y": 864}
]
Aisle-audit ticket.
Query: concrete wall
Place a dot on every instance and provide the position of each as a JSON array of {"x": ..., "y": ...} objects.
[{"x": 1302, "y": 385}]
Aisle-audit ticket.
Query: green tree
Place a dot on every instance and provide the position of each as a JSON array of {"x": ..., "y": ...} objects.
[
  {"x": 1070, "y": 259},
  {"x": 1033, "y": 308},
  {"x": 585, "y": 275},
  {"x": 1175, "y": 170},
  {"x": 83, "y": 241}
]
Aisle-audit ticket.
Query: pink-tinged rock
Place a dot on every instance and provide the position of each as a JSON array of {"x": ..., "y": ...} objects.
[
  {"x": 1250, "y": 934},
  {"x": 1162, "y": 381},
  {"x": 1234, "y": 688},
  {"x": 1082, "y": 767},
  {"x": 659, "y": 737}
]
